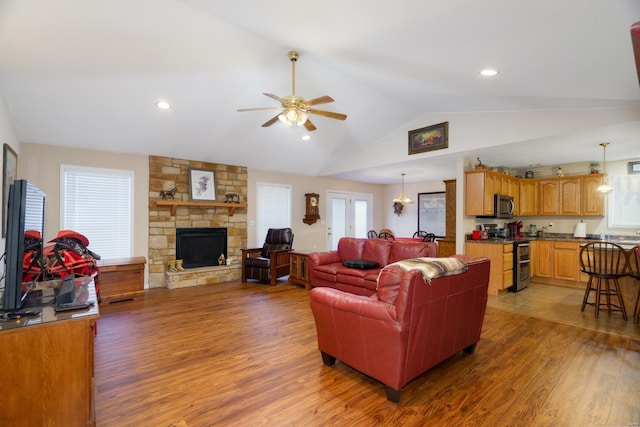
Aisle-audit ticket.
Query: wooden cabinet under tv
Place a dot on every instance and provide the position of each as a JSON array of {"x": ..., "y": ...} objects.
[{"x": 46, "y": 368}]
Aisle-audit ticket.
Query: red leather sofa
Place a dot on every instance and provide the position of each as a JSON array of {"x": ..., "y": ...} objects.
[
  {"x": 327, "y": 268},
  {"x": 407, "y": 327}
]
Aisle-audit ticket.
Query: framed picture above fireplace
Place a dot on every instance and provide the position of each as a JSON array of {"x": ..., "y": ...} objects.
[{"x": 202, "y": 184}]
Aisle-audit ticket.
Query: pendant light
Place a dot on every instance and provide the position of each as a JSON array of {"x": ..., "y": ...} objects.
[
  {"x": 605, "y": 187},
  {"x": 402, "y": 197}
]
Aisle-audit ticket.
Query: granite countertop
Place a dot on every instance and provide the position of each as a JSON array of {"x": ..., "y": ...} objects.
[{"x": 561, "y": 237}]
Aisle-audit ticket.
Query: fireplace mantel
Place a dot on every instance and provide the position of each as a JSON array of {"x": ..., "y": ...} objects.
[{"x": 175, "y": 203}]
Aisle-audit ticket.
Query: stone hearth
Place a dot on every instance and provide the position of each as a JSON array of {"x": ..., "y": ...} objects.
[{"x": 202, "y": 276}]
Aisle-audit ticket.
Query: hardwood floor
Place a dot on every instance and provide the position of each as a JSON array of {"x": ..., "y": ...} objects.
[{"x": 246, "y": 354}]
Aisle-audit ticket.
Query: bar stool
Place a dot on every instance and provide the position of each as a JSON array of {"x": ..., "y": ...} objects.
[
  {"x": 604, "y": 262},
  {"x": 633, "y": 270}
]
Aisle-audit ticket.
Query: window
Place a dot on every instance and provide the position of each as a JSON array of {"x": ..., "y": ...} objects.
[
  {"x": 432, "y": 213},
  {"x": 624, "y": 201},
  {"x": 273, "y": 208},
  {"x": 98, "y": 203}
]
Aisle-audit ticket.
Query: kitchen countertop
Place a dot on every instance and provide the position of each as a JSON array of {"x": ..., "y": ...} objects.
[{"x": 625, "y": 241}]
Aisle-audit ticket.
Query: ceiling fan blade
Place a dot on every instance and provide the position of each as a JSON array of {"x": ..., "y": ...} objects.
[
  {"x": 276, "y": 97},
  {"x": 309, "y": 126},
  {"x": 270, "y": 121},
  {"x": 328, "y": 114},
  {"x": 321, "y": 100},
  {"x": 259, "y": 108}
]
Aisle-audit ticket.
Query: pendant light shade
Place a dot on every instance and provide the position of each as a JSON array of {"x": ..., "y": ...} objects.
[
  {"x": 402, "y": 197},
  {"x": 605, "y": 187}
]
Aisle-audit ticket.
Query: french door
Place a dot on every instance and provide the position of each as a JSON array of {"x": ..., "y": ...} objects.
[{"x": 348, "y": 215}]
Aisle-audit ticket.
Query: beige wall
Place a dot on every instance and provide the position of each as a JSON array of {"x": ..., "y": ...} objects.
[
  {"x": 309, "y": 237},
  {"x": 40, "y": 164}
]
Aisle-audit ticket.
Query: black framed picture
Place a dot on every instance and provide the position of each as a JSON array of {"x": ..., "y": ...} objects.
[
  {"x": 432, "y": 212},
  {"x": 434, "y": 137}
]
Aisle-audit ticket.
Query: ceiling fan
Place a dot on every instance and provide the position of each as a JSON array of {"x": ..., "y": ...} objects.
[{"x": 294, "y": 109}]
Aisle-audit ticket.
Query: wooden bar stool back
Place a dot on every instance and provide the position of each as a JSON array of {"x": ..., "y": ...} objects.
[
  {"x": 633, "y": 270},
  {"x": 604, "y": 263}
]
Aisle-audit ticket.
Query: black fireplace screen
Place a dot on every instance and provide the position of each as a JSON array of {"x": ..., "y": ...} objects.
[{"x": 200, "y": 247}]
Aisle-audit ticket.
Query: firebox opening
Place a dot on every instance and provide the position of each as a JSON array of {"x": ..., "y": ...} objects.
[{"x": 200, "y": 247}]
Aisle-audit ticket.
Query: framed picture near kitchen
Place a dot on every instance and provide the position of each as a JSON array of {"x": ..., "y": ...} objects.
[
  {"x": 432, "y": 213},
  {"x": 434, "y": 137}
]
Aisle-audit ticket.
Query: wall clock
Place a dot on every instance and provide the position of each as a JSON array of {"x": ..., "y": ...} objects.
[{"x": 312, "y": 208}]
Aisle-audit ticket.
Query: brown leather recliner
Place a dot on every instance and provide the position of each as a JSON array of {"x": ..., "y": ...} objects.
[
  {"x": 407, "y": 327},
  {"x": 270, "y": 261}
]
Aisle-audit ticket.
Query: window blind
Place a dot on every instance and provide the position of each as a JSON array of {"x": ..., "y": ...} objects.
[
  {"x": 98, "y": 203},
  {"x": 273, "y": 208}
]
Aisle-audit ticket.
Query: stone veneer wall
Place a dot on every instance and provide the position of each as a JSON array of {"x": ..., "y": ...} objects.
[{"x": 166, "y": 173}]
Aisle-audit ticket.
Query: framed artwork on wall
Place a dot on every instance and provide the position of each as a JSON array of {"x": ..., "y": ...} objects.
[
  {"x": 202, "y": 184},
  {"x": 9, "y": 174},
  {"x": 634, "y": 167},
  {"x": 429, "y": 138},
  {"x": 432, "y": 213}
]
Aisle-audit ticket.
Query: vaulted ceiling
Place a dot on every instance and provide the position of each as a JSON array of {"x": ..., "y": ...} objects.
[{"x": 88, "y": 73}]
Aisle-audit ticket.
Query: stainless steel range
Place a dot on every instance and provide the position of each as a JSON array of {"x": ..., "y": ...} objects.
[{"x": 521, "y": 265}]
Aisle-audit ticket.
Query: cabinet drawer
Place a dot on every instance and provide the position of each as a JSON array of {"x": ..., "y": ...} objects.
[
  {"x": 507, "y": 279},
  {"x": 566, "y": 245},
  {"x": 507, "y": 248},
  {"x": 507, "y": 261}
]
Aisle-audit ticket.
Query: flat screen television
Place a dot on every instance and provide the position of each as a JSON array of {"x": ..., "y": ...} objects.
[{"x": 25, "y": 211}]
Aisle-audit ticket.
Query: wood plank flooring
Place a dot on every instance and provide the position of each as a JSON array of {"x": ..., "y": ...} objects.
[{"x": 239, "y": 354}]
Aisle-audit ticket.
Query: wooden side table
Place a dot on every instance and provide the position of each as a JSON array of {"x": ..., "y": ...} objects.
[{"x": 299, "y": 272}]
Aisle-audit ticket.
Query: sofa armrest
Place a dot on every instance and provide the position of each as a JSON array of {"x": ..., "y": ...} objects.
[
  {"x": 359, "y": 305},
  {"x": 322, "y": 258}
]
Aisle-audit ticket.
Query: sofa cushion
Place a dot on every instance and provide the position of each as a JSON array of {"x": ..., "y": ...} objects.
[
  {"x": 405, "y": 250},
  {"x": 377, "y": 250},
  {"x": 351, "y": 248},
  {"x": 361, "y": 264}
]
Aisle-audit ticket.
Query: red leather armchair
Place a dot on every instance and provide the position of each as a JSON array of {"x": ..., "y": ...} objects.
[{"x": 407, "y": 327}]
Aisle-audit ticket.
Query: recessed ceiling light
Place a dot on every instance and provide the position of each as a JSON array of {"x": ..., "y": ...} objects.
[
  {"x": 489, "y": 72},
  {"x": 163, "y": 105},
  {"x": 306, "y": 137}
]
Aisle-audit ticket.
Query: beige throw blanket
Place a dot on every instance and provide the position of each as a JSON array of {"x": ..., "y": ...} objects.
[{"x": 432, "y": 267}]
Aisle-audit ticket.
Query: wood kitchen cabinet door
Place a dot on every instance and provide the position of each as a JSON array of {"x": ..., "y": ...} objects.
[
  {"x": 549, "y": 197},
  {"x": 566, "y": 262},
  {"x": 592, "y": 200},
  {"x": 480, "y": 186},
  {"x": 570, "y": 196},
  {"x": 543, "y": 258},
  {"x": 528, "y": 200}
]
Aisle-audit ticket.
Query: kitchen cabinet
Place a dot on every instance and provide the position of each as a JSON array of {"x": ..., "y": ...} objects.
[
  {"x": 542, "y": 263},
  {"x": 480, "y": 187},
  {"x": 560, "y": 196},
  {"x": 554, "y": 196},
  {"x": 528, "y": 197},
  {"x": 566, "y": 263},
  {"x": 501, "y": 269},
  {"x": 558, "y": 262},
  {"x": 592, "y": 200}
]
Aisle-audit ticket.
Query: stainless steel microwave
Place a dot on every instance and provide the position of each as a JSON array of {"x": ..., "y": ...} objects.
[{"x": 502, "y": 207}]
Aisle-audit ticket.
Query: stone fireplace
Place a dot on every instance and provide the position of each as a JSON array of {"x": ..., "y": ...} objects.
[{"x": 167, "y": 173}]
